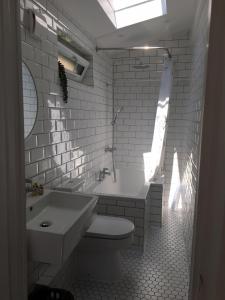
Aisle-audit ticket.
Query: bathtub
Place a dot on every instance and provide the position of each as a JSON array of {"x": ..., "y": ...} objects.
[
  {"x": 128, "y": 197},
  {"x": 129, "y": 183}
]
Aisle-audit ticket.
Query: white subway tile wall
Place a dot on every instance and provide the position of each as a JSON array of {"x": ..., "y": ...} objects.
[
  {"x": 68, "y": 140},
  {"x": 138, "y": 91},
  {"x": 138, "y": 94},
  {"x": 193, "y": 116}
]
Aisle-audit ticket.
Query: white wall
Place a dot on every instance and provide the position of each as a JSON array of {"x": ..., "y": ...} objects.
[
  {"x": 138, "y": 92},
  {"x": 68, "y": 140},
  {"x": 135, "y": 125},
  {"x": 193, "y": 115}
]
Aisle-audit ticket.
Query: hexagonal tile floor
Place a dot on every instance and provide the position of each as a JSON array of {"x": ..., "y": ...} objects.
[{"x": 160, "y": 273}]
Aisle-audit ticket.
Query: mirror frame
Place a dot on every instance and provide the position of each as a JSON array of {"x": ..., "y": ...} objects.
[{"x": 26, "y": 63}]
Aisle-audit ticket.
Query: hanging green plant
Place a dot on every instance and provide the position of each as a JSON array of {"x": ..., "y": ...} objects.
[{"x": 63, "y": 81}]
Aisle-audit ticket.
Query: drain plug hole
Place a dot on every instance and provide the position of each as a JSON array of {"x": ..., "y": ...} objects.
[{"x": 45, "y": 224}]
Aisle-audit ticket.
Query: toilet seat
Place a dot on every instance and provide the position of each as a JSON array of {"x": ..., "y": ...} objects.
[
  {"x": 112, "y": 228},
  {"x": 99, "y": 250}
]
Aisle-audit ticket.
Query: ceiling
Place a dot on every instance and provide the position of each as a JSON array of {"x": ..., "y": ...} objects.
[{"x": 92, "y": 18}]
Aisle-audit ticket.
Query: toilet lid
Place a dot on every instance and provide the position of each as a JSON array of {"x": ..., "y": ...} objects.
[{"x": 110, "y": 228}]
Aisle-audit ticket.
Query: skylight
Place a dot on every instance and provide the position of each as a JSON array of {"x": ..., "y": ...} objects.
[
  {"x": 121, "y": 4},
  {"x": 128, "y": 12}
]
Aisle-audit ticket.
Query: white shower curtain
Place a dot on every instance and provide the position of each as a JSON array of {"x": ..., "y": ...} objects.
[{"x": 154, "y": 160}]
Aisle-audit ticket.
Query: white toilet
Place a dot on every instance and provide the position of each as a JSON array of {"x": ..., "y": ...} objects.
[{"x": 99, "y": 249}]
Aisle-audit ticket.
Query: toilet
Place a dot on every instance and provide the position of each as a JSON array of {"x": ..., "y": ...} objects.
[{"x": 99, "y": 249}]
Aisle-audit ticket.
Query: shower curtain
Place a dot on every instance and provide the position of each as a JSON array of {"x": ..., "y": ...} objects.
[{"x": 160, "y": 130}]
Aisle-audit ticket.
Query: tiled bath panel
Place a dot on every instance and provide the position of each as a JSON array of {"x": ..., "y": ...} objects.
[
  {"x": 160, "y": 273},
  {"x": 154, "y": 205},
  {"x": 138, "y": 210},
  {"x": 128, "y": 208}
]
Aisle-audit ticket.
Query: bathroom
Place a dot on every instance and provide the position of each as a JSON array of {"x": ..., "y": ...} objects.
[{"x": 113, "y": 118}]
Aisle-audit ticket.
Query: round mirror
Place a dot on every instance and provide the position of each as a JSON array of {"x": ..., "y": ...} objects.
[{"x": 29, "y": 100}]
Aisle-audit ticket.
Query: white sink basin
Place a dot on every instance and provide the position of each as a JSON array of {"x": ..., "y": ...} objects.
[{"x": 56, "y": 222}]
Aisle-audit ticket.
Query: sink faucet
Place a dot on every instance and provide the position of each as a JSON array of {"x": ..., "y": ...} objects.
[
  {"x": 28, "y": 185},
  {"x": 35, "y": 188}
]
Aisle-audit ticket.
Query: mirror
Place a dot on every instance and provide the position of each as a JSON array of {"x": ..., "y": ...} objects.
[{"x": 29, "y": 100}]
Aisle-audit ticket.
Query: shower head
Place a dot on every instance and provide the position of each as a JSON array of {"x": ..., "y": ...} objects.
[{"x": 116, "y": 115}]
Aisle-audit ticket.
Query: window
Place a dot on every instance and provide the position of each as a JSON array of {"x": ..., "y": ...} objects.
[
  {"x": 128, "y": 12},
  {"x": 72, "y": 61},
  {"x": 69, "y": 65},
  {"x": 118, "y": 4}
]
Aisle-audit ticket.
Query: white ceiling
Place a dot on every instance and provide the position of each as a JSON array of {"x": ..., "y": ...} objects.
[{"x": 92, "y": 18}]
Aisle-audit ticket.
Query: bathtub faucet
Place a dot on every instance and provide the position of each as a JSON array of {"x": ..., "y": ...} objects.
[
  {"x": 102, "y": 173},
  {"x": 106, "y": 171}
]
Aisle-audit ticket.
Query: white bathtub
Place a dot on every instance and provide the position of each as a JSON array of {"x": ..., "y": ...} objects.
[
  {"x": 130, "y": 183},
  {"x": 127, "y": 198}
]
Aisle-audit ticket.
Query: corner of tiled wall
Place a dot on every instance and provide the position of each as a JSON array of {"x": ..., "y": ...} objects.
[
  {"x": 193, "y": 116},
  {"x": 138, "y": 91},
  {"x": 134, "y": 130}
]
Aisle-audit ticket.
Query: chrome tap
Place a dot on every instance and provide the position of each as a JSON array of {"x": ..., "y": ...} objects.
[
  {"x": 102, "y": 173},
  {"x": 106, "y": 171},
  {"x": 28, "y": 185},
  {"x": 101, "y": 176}
]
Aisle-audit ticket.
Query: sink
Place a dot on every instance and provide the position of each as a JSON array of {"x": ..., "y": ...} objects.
[{"x": 56, "y": 221}]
